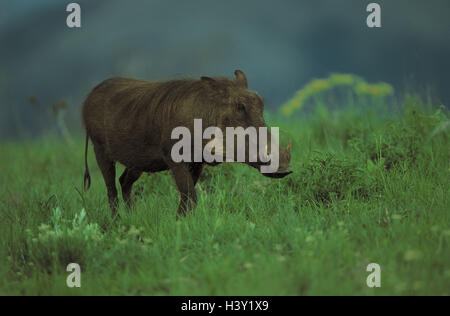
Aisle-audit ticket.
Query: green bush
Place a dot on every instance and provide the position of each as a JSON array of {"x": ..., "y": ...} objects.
[
  {"x": 405, "y": 140},
  {"x": 62, "y": 242},
  {"x": 325, "y": 178}
]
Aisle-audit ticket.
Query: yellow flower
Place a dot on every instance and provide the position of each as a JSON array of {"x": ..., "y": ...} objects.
[
  {"x": 342, "y": 79},
  {"x": 375, "y": 90},
  {"x": 318, "y": 86}
]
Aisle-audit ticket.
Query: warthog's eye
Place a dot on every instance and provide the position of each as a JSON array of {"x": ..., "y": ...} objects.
[{"x": 241, "y": 107}]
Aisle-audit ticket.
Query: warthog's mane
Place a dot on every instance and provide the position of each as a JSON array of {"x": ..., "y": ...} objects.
[{"x": 164, "y": 98}]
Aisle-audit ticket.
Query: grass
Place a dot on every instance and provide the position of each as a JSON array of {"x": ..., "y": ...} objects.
[{"x": 366, "y": 188}]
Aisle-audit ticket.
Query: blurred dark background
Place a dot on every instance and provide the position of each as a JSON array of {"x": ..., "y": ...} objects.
[{"x": 281, "y": 45}]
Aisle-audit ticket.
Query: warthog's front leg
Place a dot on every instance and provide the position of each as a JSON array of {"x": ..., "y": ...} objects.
[
  {"x": 126, "y": 180},
  {"x": 186, "y": 186},
  {"x": 196, "y": 170}
]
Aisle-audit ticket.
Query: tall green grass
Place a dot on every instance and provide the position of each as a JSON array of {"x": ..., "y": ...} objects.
[{"x": 366, "y": 188}]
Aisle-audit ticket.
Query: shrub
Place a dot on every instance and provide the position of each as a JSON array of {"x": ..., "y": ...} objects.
[
  {"x": 63, "y": 242},
  {"x": 402, "y": 141},
  {"x": 325, "y": 177}
]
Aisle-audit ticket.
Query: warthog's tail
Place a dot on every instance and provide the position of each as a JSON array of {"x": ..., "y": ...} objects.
[{"x": 87, "y": 176}]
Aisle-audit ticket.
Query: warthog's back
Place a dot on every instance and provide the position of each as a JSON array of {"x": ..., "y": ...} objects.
[{"x": 113, "y": 109}]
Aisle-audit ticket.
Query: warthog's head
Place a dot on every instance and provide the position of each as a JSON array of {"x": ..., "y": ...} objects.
[{"x": 239, "y": 115}]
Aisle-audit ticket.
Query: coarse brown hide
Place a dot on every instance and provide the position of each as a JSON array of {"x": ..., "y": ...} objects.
[{"x": 131, "y": 121}]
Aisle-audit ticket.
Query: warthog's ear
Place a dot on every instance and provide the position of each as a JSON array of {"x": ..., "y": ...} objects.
[{"x": 241, "y": 79}]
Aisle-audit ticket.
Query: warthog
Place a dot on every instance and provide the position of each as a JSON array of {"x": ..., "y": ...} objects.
[{"x": 131, "y": 121}]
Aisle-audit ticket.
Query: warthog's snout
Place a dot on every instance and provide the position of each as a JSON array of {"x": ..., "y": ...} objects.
[{"x": 284, "y": 168}]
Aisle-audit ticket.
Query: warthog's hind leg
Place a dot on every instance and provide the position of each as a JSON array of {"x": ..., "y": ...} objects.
[{"x": 108, "y": 169}]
